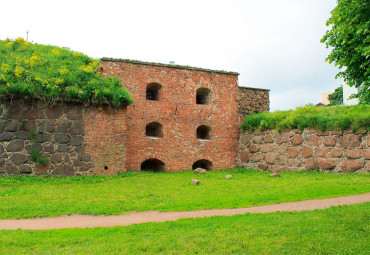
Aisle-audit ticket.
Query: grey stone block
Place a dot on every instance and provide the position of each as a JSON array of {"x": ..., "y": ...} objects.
[
  {"x": 61, "y": 138},
  {"x": 43, "y": 137},
  {"x": 33, "y": 147},
  {"x": 11, "y": 169},
  {"x": 76, "y": 140},
  {"x": 19, "y": 158},
  {"x": 57, "y": 157},
  {"x": 6, "y": 136},
  {"x": 62, "y": 148},
  {"x": 77, "y": 128},
  {"x": 25, "y": 135},
  {"x": 26, "y": 169},
  {"x": 64, "y": 126},
  {"x": 49, "y": 148},
  {"x": 16, "y": 145},
  {"x": 12, "y": 126}
]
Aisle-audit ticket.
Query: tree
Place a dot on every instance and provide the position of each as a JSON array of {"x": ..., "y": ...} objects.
[
  {"x": 349, "y": 38},
  {"x": 336, "y": 98}
]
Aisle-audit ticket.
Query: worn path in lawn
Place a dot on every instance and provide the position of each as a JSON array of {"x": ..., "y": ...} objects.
[{"x": 88, "y": 221}]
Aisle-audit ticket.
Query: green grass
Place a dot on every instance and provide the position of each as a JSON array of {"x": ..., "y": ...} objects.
[
  {"x": 32, "y": 196},
  {"x": 337, "y": 230},
  {"x": 51, "y": 73},
  {"x": 324, "y": 118}
]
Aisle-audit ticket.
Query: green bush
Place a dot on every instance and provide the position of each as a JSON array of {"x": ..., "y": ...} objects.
[
  {"x": 53, "y": 73},
  {"x": 323, "y": 118}
]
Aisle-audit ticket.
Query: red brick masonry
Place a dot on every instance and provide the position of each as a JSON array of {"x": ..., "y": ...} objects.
[{"x": 179, "y": 114}]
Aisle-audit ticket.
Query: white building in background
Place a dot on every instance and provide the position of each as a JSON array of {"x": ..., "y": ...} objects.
[{"x": 347, "y": 92}]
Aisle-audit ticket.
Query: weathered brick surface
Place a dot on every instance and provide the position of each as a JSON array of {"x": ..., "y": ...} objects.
[
  {"x": 294, "y": 150},
  {"x": 106, "y": 139},
  {"x": 179, "y": 115}
]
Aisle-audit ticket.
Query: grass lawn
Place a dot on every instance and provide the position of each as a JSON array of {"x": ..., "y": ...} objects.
[
  {"x": 32, "y": 196},
  {"x": 338, "y": 230}
]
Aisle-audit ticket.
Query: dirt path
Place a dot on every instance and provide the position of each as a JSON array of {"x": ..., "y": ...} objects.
[{"x": 87, "y": 221}]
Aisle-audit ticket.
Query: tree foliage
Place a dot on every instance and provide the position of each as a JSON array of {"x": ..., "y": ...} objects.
[
  {"x": 52, "y": 73},
  {"x": 336, "y": 98},
  {"x": 349, "y": 38}
]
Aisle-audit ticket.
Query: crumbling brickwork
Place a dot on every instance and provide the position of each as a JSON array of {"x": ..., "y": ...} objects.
[
  {"x": 252, "y": 100},
  {"x": 179, "y": 114},
  {"x": 294, "y": 150}
]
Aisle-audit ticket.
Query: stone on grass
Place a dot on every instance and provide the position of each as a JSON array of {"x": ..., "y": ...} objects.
[
  {"x": 229, "y": 176},
  {"x": 195, "y": 182},
  {"x": 275, "y": 175},
  {"x": 200, "y": 171}
]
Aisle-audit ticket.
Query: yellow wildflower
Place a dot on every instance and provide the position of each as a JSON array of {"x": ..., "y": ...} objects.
[
  {"x": 5, "y": 68},
  {"x": 58, "y": 81},
  {"x": 76, "y": 54},
  {"x": 21, "y": 41},
  {"x": 18, "y": 71},
  {"x": 35, "y": 61},
  {"x": 63, "y": 71},
  {"x": 55, "y": 52}
]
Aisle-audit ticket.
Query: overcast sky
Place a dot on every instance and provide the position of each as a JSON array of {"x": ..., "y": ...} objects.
[{"x": 273, "y": 44}]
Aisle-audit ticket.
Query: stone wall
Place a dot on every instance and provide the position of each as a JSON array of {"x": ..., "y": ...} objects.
[
  {"x": 65, "y": 135},
  {"x": 251, "y": 100},
  {"x": 295, "y": 150}
]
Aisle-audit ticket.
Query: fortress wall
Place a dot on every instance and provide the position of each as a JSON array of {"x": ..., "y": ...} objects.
[
  {"x": 251, "y": 100},
  {"x": 71, "y": 138},
  {"x": 295, "y": 150},
  {"x": 179, "y": 114}
]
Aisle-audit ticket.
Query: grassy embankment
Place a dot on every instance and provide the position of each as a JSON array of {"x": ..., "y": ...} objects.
[
  {"x": 312, "y": 117},
  {"x": 52, "y": 73},
  {"x": 338, "y": 230},
  {"x": 32, "y": 196}
]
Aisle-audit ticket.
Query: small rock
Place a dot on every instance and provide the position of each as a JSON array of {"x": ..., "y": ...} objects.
[
  {"x": 195, "y": 182},
  {"x": 229, "y": 176},
  {"x": 275, "y": 175},
  {"x": 200, "y": 171}
]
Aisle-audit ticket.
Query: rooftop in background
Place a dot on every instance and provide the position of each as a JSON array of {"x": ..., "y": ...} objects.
[{"x": 167, "y": 65}]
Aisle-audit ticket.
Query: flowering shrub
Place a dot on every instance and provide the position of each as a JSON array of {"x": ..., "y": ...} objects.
[{"x": 53, "y": 73}]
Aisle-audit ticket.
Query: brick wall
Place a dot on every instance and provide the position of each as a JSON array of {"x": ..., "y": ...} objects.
[
  {"x": 179, "y": 114},
  {"x": 74, "y": 140},
  {"x": 106, "y": 138},
  {"x": 334, "y": 151},
  {"x": 252, "y": 99}
]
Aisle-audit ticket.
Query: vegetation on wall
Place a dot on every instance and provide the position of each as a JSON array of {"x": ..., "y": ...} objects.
[
  {"x": 52, "y": 73},
  {"x": 349, "y": 40},
  {"x": 323, "y": 118}
]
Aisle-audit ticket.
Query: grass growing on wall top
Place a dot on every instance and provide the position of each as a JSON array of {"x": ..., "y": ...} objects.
[
  {"x": 324, "y": 118},
  {"x": 53, "y": 73}
]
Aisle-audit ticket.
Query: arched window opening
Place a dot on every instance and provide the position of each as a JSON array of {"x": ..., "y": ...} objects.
[
  {"x": 203, "y": 163},
  {"x": 153, "y": 91},
  {"x": 203, "y": 96},
  {"x": 204, "y": 132},
  {"x": 154, "y": 129},
  {"x": 153, "y": 165}
]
